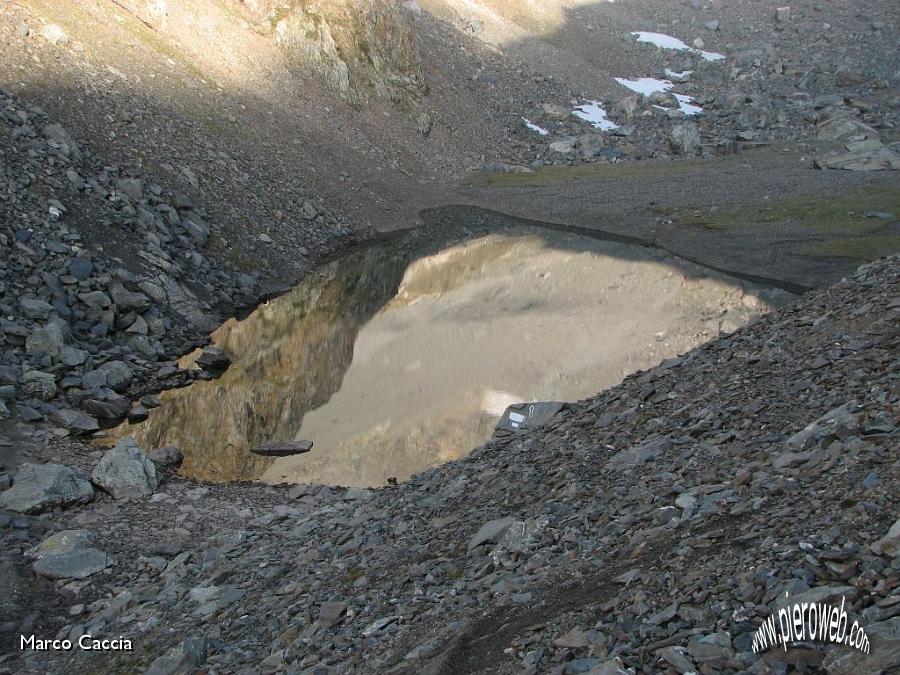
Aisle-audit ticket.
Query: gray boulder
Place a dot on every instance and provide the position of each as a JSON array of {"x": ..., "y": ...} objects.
[
  {"x": 185, "y": 657},
  {"x": 283, "y": 448},
  {"x": 75, "y": 421},
  {"x": 38, "y": 384},
  {"x": 40, "y": 487},
  {"x": 685, "y": 139},
  {"x": 213, "y": 360},
  {"x": 118, "y": 375},
  {"x": 634, "y": 456},
  {"x": 169, "y": 456},
  {"x": 889, "y": 544},
  {"x": 69, "y": 555},
  {"x": 126, "y": 472},
  {"x": 35, "y": 308},
  {"x": 883, "y": 655},
  {"x": 491, "y": 531},
  {"x": 81, "y": 268}
]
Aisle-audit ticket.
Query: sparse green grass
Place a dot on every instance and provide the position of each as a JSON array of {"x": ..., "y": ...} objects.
[
  {"x": 840, "y": 217},
  {"x": 836, "y": 214},
  {"x": 553, "y": 175},
  {"x": 857, "y": 248},
  {"x": 826, "y": 214}
]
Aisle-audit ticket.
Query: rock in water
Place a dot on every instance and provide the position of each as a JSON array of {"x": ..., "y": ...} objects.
[
  {"x": 126, "y": 472},
  {"x": 40, "y": 487},
  {"x": 685, "y": 139},
  {"x": 169, "y": 456},
  {"x": 283, "y": 448}
]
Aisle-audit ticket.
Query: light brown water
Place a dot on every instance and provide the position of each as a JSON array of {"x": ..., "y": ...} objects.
[{"x": 401, "y": 357}]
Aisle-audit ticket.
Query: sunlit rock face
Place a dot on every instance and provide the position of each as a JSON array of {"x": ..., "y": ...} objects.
[
  {"x": 358, "y": 49},
  {"x": 403, "y": 356}
]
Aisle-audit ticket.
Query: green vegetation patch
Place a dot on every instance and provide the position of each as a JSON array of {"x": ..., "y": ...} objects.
[
  {"x": 826, "y": 214},
  {"x": 554, "y": 175},
  {"x": 857, "y": 248}
]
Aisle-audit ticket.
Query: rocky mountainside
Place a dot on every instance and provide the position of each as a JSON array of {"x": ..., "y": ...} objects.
[
  {"x": 167, "y": 165},
  {"x": 648, "y": 529}
]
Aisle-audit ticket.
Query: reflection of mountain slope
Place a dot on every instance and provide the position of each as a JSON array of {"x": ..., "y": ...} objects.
[
  {"x": 389, "y": 451},
  {"x": 288, "y": 357},
  {"x": 395, "y": 362}
]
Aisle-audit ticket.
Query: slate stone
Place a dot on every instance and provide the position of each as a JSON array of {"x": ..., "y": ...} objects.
[
  {"x": 40, "y": 487},
  {"x": 126, "y": 472},
  {"x": 77, "y": 564}
]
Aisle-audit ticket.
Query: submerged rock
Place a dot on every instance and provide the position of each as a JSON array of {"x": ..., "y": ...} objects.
[
  {"x": 213, "y": 360},
  {"x": 283, "y": 448}
]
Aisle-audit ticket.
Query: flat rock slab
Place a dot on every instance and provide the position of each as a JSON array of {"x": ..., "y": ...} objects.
[
  {"x": 491, "y": 531},
  {"x": 63, "y": 542},
  {"x": 283, "y": 448},
  {"x": 76, "y": 564},
  {"x": 528, "y": 415},
  {"x": 632, "y": 457},
  {"x": 75, "y": 421},
  {"x": 40, "y": 487}
]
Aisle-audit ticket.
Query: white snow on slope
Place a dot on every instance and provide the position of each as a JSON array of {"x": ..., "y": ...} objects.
[
  {"x": 535, "y": 127},
  {"x": 661, "y": 40},
  {"x": 596, "y": 115},
  {"x": 679, "y": 76},
  {"x": 711, "y": 56},
  {"x": 687, "y": 106},
  {"x": 650, "y": 85},
  {"x": 664, "y": 41},
  {"x": 645, "y": 85}
]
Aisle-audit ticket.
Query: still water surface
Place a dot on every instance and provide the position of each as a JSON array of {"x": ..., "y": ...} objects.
[{"x": 403, "y": 355}]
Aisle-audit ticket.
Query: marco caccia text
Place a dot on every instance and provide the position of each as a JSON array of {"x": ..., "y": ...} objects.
[{"x": 86, "y": 643}]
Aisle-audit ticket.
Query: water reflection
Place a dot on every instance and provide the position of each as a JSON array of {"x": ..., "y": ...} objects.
[{"x": 398, "y": 358}]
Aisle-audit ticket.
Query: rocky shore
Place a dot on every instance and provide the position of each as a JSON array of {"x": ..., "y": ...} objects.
[
  {"x": 165, "y": 166},
  {"x": 110, "y": 277},
  {"x": 648, "y": 529}
]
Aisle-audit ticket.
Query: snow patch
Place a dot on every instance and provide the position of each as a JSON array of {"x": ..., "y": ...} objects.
[
  {"x": 650, "y": 85},
  {"x": 687, "y": 106},
  {"x": 712, "y": 56},
  {"x": 592, "y": 112},
  {"x": 679, "y": 76},
  {"x": 661, "y": 40},
  {"x": 664, "y": 41},
  {"x": 535, "y": 127},
  {"x": 645, "y": 85}
]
